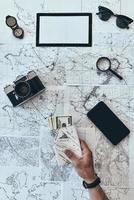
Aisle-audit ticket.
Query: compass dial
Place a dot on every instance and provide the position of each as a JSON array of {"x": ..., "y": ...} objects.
[
  {"x": 18, "y": 32},
  {"x": 11, "y": 21}
]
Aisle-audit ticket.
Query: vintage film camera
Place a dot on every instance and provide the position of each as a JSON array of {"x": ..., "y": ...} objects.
[{"x": 24, "y": 88}]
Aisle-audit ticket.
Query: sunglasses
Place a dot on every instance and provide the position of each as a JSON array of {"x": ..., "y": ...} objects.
[{"x": 122, "y": 21}]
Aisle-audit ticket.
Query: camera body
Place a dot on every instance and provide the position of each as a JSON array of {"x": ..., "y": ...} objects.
[{"x": 24, "y": 88}]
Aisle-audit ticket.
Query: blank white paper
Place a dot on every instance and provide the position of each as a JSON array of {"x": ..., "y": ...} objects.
[{"x": 64, "y": 29}]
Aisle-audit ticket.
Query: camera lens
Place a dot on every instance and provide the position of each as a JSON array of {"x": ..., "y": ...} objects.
[{"x": 22, "y": 89}]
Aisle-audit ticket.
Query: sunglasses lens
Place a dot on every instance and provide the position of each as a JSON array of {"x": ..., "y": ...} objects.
[
  {"x": 104, "y": 16},
  {"x": 104, "y": 13},
  {"x": 123, "y": 21}
]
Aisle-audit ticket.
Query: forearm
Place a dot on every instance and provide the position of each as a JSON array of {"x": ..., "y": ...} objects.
[
  {"x": 85, "y": 169},
  {"x": 97, "y": 193}
]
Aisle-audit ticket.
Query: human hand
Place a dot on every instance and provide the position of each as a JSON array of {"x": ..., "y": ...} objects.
[{"x": 84, "y": 165}]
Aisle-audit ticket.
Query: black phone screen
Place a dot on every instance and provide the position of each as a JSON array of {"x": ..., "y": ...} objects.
[{"x": 108, "y": 123}]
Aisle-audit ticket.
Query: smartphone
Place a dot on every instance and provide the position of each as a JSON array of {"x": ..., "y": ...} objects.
[{"x": 108, "y": 123}]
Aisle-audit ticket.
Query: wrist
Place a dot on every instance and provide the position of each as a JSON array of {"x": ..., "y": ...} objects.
[
  {"x": 91, "y": 178},
  {"x": 93, "y": 184},
  {"x": 90, "y": 175}
]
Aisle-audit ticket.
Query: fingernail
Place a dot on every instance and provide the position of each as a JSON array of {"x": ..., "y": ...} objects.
[{"x": 68, "y": 153}]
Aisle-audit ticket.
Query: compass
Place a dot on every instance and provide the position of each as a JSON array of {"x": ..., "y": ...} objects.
[{"x": 11, "y": 22}]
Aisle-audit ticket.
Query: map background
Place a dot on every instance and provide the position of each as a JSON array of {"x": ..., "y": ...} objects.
[{"x": 28, "y": 167}]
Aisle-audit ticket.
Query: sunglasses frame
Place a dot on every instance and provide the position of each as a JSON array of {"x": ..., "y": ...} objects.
[{"x": 110, "y": 14}]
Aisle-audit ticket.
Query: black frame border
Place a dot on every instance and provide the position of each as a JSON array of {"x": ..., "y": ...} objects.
[{"x": 89, "y": 44}]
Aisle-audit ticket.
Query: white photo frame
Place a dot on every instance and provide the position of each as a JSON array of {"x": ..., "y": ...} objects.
[{"x": 64, "y": 29}]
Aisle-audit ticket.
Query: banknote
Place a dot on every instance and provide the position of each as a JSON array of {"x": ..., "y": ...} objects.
[
  {"x": 57, "y": 122},
  {"x": 66, "y": 138}
]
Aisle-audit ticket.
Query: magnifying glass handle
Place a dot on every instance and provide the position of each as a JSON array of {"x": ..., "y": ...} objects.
[{"x": 120, "y": 77}]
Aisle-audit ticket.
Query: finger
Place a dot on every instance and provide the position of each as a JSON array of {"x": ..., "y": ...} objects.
[
  {"x": 84, "y": 146},
  {"x": 71, "y": 156}
]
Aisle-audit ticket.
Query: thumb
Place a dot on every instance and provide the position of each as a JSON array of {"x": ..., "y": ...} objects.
[{"x": 71, "y": 155}]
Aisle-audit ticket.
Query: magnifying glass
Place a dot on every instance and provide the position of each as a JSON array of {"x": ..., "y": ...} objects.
[{"x": 103, "y": 64}]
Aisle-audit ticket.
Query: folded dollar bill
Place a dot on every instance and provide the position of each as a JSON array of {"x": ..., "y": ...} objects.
[
  {"x": 66, "y": 138},
  {"x": 56, "y": 122}
]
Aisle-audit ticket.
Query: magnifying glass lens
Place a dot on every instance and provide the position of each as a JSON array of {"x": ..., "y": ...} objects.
[{"x": 103, "y": 65}]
